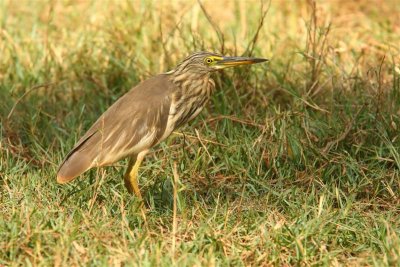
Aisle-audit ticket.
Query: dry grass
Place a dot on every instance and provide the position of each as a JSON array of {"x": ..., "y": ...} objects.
[{"x": 293, "y": 163}]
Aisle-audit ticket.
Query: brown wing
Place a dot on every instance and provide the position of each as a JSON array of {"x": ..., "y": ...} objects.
[{"x": 135, "y": 122}]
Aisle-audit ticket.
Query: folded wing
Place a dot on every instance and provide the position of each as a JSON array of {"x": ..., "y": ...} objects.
[{"x": 136, "y": 122}]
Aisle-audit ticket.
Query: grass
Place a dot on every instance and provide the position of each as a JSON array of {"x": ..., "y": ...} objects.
[{"x": 293, "y": 163}]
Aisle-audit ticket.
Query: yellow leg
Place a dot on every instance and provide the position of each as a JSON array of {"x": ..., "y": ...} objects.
[{"x": 131, "y": 174}]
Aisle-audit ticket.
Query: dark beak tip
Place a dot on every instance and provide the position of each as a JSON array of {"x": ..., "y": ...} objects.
[{"x": 259, "y": 60}]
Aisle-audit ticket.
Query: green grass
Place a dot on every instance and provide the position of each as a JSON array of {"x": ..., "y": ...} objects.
[{"x": 296, "y": 162}]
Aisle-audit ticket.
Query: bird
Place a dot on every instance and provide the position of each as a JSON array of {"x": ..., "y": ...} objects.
[{"x": 146, "y": 115}]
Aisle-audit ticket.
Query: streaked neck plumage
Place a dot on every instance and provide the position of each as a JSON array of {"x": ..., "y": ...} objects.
[{"x": 193, "y": 90}]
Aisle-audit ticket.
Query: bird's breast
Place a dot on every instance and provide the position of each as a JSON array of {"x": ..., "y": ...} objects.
[{"x": 188, "y": 102}]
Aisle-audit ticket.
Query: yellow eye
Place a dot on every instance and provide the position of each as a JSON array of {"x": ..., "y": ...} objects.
[{"x": 208, "y": 60}]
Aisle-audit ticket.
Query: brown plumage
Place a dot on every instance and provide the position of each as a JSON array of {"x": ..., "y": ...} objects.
[
  {"x": 146, "y": 115},
  {"x": 114, "y": 135}
]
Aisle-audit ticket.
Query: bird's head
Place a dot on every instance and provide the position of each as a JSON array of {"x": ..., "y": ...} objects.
[{"x": 206, "y": 62}]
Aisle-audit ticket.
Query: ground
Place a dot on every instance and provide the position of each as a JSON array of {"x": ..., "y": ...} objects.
[{"x": 294, "y": 162}]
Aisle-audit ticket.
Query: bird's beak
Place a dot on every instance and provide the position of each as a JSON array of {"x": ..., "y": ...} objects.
[{"x": 227, "y": 62}]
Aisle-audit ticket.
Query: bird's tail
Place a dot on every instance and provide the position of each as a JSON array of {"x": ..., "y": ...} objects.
[
  {"x": 79, "y": 160},
  {"x": 74, "y": 166}
]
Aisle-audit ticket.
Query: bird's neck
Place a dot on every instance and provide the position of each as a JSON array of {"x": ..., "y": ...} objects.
[
  {"x": 191, "y": 82},
  {"x": 191, "y": 94}
]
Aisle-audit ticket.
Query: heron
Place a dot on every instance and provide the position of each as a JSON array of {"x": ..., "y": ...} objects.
[{"x": 146, "y": 115}]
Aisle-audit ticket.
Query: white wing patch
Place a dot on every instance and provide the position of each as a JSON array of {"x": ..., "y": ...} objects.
[{"x": 171, "y": 121}]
